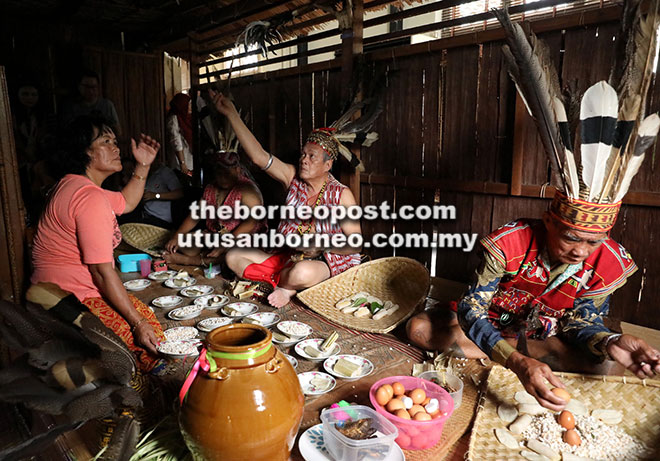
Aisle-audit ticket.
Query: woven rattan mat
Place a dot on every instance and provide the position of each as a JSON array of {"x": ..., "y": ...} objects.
[
  {"x": 403, "y": 281},
  {"x": 638, "y": 400}
]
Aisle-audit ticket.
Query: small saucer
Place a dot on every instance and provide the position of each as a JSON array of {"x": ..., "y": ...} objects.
[
  {"x": 310, "y": 388},
  {"x": 315, "y": 343},
  {"x": 137, "y": 284}
]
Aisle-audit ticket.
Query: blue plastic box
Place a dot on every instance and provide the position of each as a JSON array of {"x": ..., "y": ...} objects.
[{"x": 131, "y": 262}]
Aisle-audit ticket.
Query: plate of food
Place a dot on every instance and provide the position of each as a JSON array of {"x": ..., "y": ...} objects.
[
  {"x": 310, "y": 349},
  {"x": 180, "y": 280},
  {"x": 212, "y": 302},
  {"x": 179, "y": 349},
  {"x": 294, "y": 329},
  {"x": 180, "y": 333},
  {"x": 284, "y": 340},
  {"x": 161, "y": 276},
  {"x": 185, "y": 312},
  {"x": 137, "y": 284},
  {"x": 349, "y": 367},
  {"x": 316, "y": 382},
  {"x": 197, "y": 291},
  {"x": 265, "y": 319},
  {"x": 167, "y": 301},
  {"x": 239, "y": 310},
  {"x": 211, "y": 323}
]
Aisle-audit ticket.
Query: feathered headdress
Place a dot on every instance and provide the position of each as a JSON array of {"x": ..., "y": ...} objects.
[
  {"x": 614, "y": 133},
  {"x": 345, "y": 130}
]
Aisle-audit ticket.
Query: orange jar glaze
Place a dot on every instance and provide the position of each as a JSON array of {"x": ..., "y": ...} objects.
[{"x": 250, "y": 406}]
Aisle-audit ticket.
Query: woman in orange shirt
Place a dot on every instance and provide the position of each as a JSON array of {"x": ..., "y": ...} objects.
[{"x": 76, "y": 236}]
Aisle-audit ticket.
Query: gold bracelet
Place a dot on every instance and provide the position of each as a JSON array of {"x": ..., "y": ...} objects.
[
  {"x": 140, "y": 322},
  {"x": 143, "y": 178}
]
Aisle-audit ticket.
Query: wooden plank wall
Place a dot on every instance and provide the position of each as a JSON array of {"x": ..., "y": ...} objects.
[
  {"x": 134, "y": 83},
  {"x": 449, "y": 116}
]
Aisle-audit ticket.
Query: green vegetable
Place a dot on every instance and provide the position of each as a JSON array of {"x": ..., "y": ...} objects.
[
  {"x": 375, "y": 307},
  {"x": 359, "y": 301}
]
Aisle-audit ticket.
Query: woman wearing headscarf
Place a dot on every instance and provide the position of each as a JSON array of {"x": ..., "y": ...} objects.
[{"x": 179, "y": 133}]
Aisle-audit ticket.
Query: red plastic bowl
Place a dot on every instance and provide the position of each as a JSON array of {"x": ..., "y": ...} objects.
[{"x": 416, "y": 435}]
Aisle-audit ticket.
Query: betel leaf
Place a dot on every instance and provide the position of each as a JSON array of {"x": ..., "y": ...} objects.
[
  {"x": 375, "y": 307},
  {"x": 359, "y": 301}
]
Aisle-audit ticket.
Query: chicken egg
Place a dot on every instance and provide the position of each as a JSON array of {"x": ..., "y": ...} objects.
[
  {"x": 388, "y": 388},
  {"x": 566, "y": 420},
  {"x": 416, "y": 409},
  {"x": 402, "y": 413},
  {"x": 422, "y": 416},
  {"x": 382, "y": 396},
  {"x": 571, "y": 437},
  {"x": 398, "y": 389},
  {"x": 417, "y": 396},
  {"x": 394, "y": 405},
  {"x": 562, "y": 393}
]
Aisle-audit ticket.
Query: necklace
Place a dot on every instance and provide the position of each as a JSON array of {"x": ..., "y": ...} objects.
[{"x": 319, "y": 198}]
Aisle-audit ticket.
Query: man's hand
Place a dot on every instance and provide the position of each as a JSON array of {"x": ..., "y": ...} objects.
[
  {"x": 173, "y": 244},
  {"x": 145, "y": 336},
  {"x": 222, "y": 103},
  {"x": 636, "y": 355},
  {"x": 532, "y": 375},
  {"x": 145, "y": 151},
  {"x": 148, "y": 196}
]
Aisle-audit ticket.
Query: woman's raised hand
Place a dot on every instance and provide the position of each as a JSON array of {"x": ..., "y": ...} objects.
[
  {"x": 222, "y": 103},
  {"x": 145, "y": 150}
]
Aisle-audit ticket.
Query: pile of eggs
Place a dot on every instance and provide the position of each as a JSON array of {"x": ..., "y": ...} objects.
[
  {"x": 566, "y": 419},
  {"x": 414, "y": 404}
]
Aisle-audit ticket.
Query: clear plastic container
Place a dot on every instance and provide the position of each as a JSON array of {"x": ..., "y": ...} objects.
[
  {"x": 453, "y": 381},
  {"x": 343, "y": 448},
  {"x": 416, "y": 435}
]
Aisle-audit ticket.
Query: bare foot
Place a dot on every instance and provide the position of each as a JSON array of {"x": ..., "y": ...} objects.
[
  {"x": 280, "y": 297},
  {"x": 179, "y": 258}
]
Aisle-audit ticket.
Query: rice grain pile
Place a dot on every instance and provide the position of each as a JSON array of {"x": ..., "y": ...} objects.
[{"x": 599, "y": 440}]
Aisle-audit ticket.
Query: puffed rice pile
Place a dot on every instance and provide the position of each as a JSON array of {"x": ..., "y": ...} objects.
[
  {"x": 180, "y": 333},
  {"x": 599, "y": 441},
  {"x": 178, "y": 348}
]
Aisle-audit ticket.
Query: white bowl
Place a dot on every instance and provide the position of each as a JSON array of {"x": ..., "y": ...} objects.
[
  {"x": 366, "y": 366},
  {"x": 167, "y": 301},
  {"x": 137, "y": 284},
  {"x": 294, "y": 329},
  {"x": 239, "y": 309},
  {"x": 205, "y": 302},
  {"x": 185, "y": 312},
  {"x": 211, "y": 323},
  {"x": 315, "y": 343},
  {"x": 197, "y": 291}
]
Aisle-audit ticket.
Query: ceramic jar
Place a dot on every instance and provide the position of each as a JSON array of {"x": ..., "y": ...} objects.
[{"x": 248, "y": 405}]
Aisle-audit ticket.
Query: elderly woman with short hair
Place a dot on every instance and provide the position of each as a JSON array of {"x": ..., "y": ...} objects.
[{"x": 78, "y": 231}]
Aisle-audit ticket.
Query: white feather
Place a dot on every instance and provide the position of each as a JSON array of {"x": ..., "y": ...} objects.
[
  {"x": 573, "y": 180},
  {"x": 646, "y": 133},
  {"x": 600, "y": 100}
]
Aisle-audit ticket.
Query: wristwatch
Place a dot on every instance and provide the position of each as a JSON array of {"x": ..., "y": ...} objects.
[{"x": 157, "y": 196}]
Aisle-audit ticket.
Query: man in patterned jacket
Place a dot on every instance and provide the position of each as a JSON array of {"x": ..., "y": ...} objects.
[
  {"x": 539, "y": 299},
  {"x": 313, "y": 185}
]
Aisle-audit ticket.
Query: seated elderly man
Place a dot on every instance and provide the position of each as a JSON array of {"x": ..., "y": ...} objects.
[
  {"x": 539, "y": 299},
  {"x": 311, "y": 185}
]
